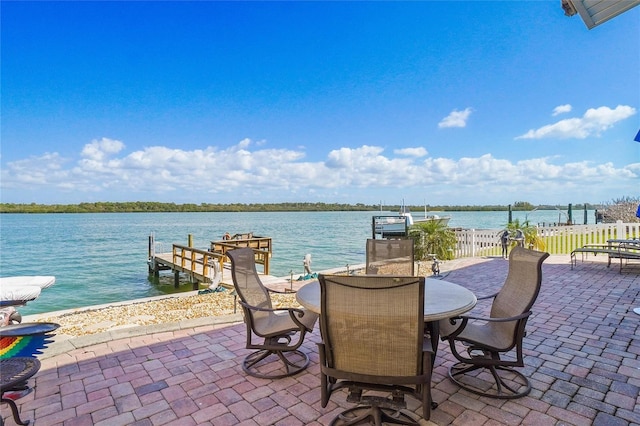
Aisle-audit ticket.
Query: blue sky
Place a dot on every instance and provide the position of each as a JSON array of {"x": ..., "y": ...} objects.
[{"x": 451, "y": 102}]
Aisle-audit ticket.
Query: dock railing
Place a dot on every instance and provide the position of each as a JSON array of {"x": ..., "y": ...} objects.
[
  {"x": 196, "y": 262},
  {"x": 557, "y": 239},
  {"x": 262, "y": 248},
  {"x": 256, "y": 243},
  {"x": 201, "y": 265}
]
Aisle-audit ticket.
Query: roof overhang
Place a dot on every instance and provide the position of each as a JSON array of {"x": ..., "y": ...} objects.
[{"x": 595, "y": 12}]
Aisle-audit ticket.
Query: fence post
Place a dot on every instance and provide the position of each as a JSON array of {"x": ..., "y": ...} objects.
[
  {"x": 620, "y": 234},
  {"x": 473, "y": 243}
]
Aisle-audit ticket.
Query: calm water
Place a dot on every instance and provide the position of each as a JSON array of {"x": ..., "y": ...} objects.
[{"x": 102, "y": 258}]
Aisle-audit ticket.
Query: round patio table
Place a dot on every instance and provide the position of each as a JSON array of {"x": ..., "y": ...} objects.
[{"x": 442, "y": 299}]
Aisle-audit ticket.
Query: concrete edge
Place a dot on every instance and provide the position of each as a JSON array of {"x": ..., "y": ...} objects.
[{"x": 66, "y": 344}]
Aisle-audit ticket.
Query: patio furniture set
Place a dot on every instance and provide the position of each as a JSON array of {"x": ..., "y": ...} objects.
[{"x": 380, "y": 331}]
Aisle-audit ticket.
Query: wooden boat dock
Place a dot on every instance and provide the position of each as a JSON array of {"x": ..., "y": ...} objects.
[
  {"x": 208, "y": 266},
  {"x": 212, "y": 266}
]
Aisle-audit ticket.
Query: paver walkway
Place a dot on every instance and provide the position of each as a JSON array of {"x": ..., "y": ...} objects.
[{"x": 582, "y": 356}]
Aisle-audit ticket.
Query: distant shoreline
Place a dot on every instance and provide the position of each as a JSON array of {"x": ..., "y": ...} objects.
[{"x": 157, "y": 207}]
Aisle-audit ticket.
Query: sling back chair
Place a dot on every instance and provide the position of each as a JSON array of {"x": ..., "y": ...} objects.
[
  {"x": 373, "y": 342},
  {"x": 390, "y": 257},
  {"x": 486, "y": 338},
  {"x": 277, "y": 327}
]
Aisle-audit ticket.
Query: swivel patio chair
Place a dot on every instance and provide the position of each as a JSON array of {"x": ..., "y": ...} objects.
[
  {"x": 390, "y": 257},
  {"x": 373, "y": 344},
  {"x": 282, "y": 330},
  {"x": 489, "y": 341}
]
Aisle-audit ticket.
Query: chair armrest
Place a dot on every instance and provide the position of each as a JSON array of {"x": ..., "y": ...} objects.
[
  {"x": 504, "y": 319},
  {"x": 489, "y": 296},
  {"x": 271, "y": 290},
  {"x": 629, "y": 246},
  {"x": 465, "y": 319},
  {"x": 256, "y": 308},
  {"x": 294, "y": 313}
]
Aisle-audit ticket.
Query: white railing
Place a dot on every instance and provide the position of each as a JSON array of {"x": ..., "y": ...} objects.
[{"x": 557, "y": 239}]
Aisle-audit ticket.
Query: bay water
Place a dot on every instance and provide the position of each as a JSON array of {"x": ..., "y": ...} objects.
[{"x": 102, "y": 258}]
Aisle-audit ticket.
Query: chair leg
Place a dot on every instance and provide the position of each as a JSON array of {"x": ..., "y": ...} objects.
[
  {"x": 372, "y": 415},
  {"x": 252, "y": 363},
  {"x": 504, "y": 387},
  {"x": 518, "y": 378},
  {"x": 14, "y": 411}
]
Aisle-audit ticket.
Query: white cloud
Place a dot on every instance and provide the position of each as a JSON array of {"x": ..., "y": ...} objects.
[
  {"x": 592, "y": 123},
  {"x": 411, "y": 152},
  {"x": 99, "y": 149},
  {"x": 34, "y": 171},
  {"x": 350, "y": 158},
  {"x": 247, "y": 172},
  {"x": 456, "y": 118},
  {"x": 561, "y": 109}
]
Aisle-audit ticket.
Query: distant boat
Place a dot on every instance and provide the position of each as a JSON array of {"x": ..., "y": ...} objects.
[
  {"x": 404, "y": 212},
  {"x": 397, "y": 225}
]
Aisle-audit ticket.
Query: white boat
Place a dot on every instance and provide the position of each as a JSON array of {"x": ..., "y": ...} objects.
[
  {"x": 444, "y": 220},
  {"x": 397, "y": 225},
  {"x": 389, "y": 226}
]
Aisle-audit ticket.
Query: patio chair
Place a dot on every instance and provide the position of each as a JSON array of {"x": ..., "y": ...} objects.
[
  {"x": 373, "y": 344},
  {"x": 487, "y": 340},
  {"x": 282, "y": 330},
  {"x": 390, "y": 257}
]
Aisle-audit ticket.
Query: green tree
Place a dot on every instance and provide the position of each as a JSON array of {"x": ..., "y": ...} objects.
[
  {"x": 523, "y": 205},
  {"x": 433, "y": 237}
]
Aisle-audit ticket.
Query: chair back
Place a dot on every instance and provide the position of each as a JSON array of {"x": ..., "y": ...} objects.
[
  {"x": 520, "y": 288},
  {"x": 247, "y": 282},
  {"x": 372, "y": 324},
  {"x": 390, "y": 257}
]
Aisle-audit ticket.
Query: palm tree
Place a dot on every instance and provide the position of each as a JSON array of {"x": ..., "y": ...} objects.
[
  {"x": 531, "y": 238},
  {"x": 433, "y": 237}
]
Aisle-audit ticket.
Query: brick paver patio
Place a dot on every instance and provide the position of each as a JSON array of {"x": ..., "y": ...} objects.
[{"x": 582, "y": 356}]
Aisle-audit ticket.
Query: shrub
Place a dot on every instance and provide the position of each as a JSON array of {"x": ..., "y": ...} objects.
[{"x": 623, "y": 209}]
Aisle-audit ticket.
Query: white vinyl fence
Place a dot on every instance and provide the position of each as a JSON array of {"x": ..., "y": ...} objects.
[{"x": 557, "y": 239}]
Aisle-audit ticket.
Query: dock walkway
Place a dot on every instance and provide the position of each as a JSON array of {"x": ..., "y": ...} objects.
[{"x": 206, "y": 266}]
